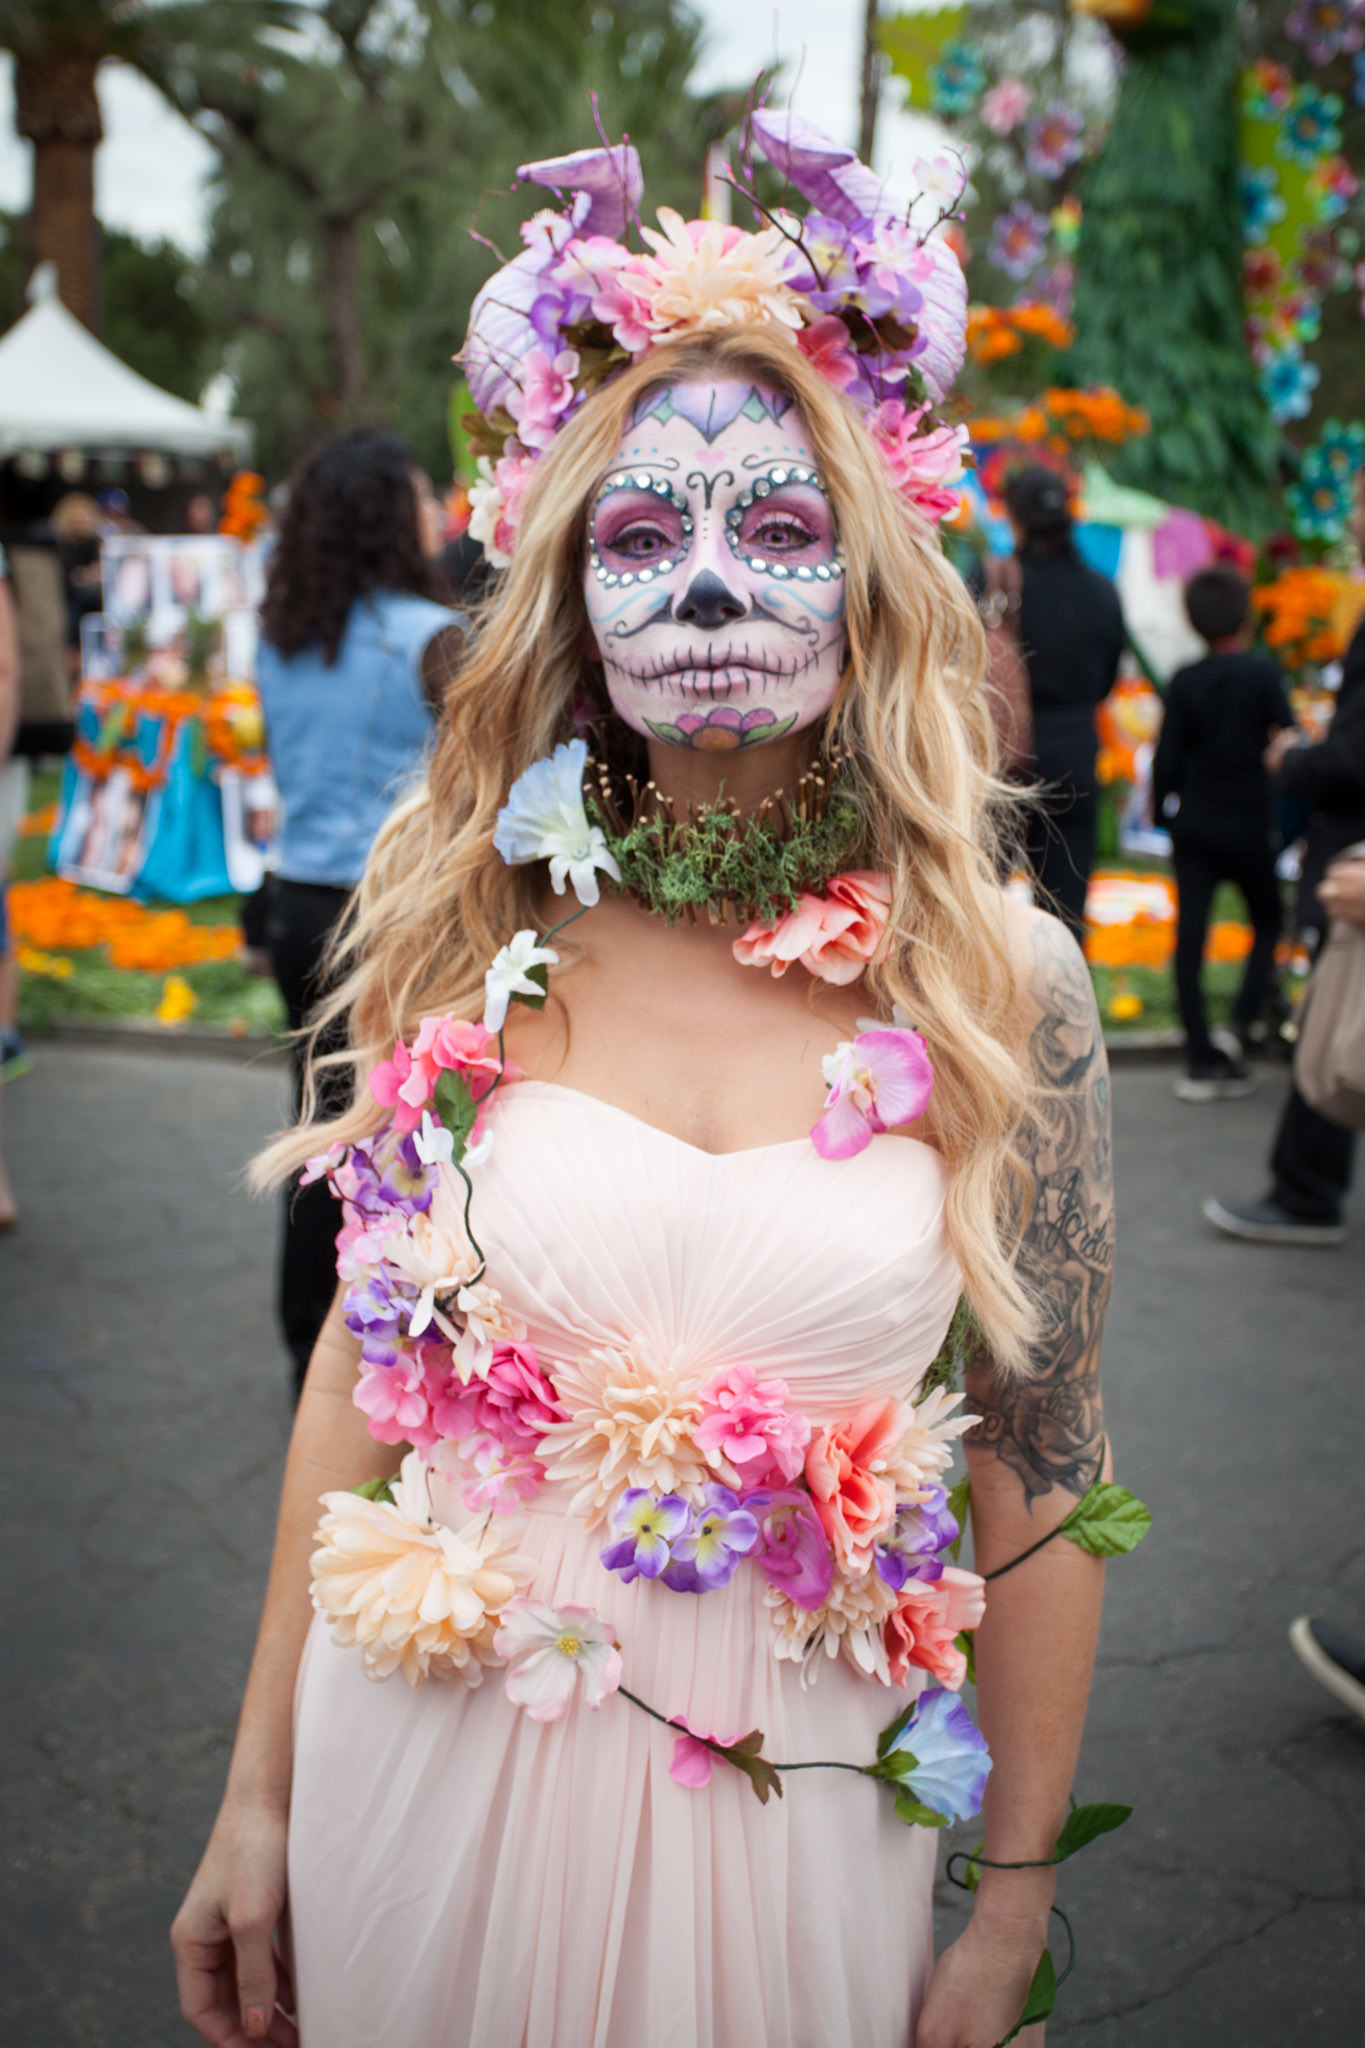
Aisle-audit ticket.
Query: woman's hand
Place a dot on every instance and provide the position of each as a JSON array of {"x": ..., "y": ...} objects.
[
  {"x": 1342, "y": 890},
  {"x": 227, "y": 1968},
  {"x": 979, "y": 1985}
]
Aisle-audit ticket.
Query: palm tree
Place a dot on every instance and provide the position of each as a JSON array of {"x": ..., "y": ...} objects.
[{"x": 58, "y": 47}]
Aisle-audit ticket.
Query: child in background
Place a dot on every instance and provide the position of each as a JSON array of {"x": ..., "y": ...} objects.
[{"x": 1211, "y": 786}]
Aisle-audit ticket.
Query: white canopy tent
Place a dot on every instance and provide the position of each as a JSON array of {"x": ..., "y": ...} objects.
[{"x": 60, "y": 388}]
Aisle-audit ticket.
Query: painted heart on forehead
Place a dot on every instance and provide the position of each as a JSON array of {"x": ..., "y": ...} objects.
[{"x": 714, "y": 582}]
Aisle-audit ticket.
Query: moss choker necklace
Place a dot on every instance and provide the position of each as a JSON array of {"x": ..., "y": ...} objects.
[{"x": 711, "y": 858}]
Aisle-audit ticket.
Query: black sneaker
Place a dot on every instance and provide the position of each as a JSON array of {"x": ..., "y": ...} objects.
[
  {"x": 1267, "y": 1223},
  {"x": 1335, "y": 1660},
  {"x": 1215, "y": 1080}
]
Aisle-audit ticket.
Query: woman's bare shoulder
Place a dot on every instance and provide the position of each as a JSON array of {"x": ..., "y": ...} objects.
[{"x": 1052, "y": 986}]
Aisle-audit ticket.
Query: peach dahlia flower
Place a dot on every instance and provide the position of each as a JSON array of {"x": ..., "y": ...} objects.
[
  {"x": 629, "y": 1424},
  {"x": 411, "y": 1595},
  {"x": 703, "y": 275}
]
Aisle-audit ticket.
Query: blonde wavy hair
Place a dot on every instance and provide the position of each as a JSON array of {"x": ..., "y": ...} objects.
[{"x": 436, "y": 901}]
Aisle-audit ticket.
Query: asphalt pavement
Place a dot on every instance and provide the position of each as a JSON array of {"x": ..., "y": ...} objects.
[{"x": 144, "y": 1404}]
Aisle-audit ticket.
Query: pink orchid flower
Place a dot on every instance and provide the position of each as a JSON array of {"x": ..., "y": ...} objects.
[
  {"x": 876, "y": 1081},
  {"x": 825, "y": 343},
  {"x": 546, "y": 395},
  {"x": 393, "y": 1086},
  {"x": 834, "y": 936},
  {"x": 693, "y": 1762}
]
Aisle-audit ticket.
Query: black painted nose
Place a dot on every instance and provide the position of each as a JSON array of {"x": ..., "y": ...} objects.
[{"x": 708, "y": 603}]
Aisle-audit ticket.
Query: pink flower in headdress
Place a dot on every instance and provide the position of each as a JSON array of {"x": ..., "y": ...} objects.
[
  {"x": 546, "y": 394},
  {"x": 878, "y": 1080},
  {"x": 827, "y": 345},
  {"x": 922, "y": 466},
  {"x": 834, "y": 936},
  {"x": 495, "y": 502}
]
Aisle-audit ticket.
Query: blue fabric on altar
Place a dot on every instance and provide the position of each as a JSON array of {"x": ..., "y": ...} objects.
[{"x": 185, "y": 858}]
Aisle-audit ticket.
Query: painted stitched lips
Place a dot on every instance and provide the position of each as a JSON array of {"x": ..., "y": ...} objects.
[{"x": 722, "y": 728}]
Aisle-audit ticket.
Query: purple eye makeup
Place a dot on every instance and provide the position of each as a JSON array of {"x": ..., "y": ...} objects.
[
  {"x": 640, "y": 528},
  {"x": 783, "y": 526}
]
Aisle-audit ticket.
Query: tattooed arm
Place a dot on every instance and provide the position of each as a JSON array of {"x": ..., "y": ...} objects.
[{"x": 1038, "y": 1446}]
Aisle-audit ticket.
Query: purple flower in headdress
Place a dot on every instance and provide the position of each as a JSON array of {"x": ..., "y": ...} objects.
[
  {"x": 721, "y": 1533},
  {"x": 825, "y": 173},
  {"x": 608, "y": 187}
]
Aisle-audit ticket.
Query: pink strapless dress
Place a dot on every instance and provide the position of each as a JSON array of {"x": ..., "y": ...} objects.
[{"x": 464, "y": 1877}]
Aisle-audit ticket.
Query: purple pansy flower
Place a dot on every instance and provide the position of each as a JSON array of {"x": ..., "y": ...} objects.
[
  {"x": 911, "y": 1546},
  {"x": 405, "y": 1184},
  {"x": 646, "y": 1526},
  {"x": 722, "y": 1532}
]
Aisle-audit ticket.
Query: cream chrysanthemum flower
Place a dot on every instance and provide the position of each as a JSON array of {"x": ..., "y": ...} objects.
[
  {"x": 413, "y": 1596},
  {"x": 850, "y": 1621},
  {"x": 923, "y": 1454},
  {"x": 704, "y": 275},
  {"x": 628, "y": 1424}
]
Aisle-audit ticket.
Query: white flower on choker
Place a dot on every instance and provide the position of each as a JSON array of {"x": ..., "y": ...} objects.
[{"x": 544, "y": 819}]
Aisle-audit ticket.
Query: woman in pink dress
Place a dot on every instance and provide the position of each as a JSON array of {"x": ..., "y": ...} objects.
[{"x": 632, "y": 1421}]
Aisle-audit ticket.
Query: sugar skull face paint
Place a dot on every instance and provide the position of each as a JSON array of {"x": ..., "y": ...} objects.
[{"x": 714, "y": 582}]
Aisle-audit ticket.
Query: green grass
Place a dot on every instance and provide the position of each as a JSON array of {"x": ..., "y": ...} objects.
[{"x": 95, "y": 992}]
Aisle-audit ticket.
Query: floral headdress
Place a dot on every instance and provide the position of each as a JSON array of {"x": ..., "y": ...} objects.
[{"x": 871, "y": 296}]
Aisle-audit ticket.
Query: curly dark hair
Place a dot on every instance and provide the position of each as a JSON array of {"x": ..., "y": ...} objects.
[{"x": 349, "y": 528}]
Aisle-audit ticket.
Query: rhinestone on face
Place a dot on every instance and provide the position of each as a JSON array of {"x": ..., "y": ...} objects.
[
  {"x": 763, "y": 487},
  {"x": 805, "y": 574},
  {"x": 777, "y": 476},
  {"x": 629, "y": 576},
  {"x": 646, "y": 575},
  {"x": 780, "y": 569},
  {"x": 823, "y": 571},
  {"x": 665, "y": 569}
]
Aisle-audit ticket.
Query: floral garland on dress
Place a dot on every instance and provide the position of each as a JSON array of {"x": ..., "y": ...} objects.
[{"x": 848, "y": 1522}]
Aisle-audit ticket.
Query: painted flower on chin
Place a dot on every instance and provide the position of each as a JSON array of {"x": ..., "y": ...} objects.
[
  {"x": 545, "y": 818},
  {"x": 952, "y": 1761},
  {"x": 876, "y": 1081},
  {"x": 721, "y": 728},
  {"x": 552, "y": 1649}
]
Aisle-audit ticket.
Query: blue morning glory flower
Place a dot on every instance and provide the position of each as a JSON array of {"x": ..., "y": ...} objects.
[
  {"x": 952, "y": 1761},
  {"x": 1311, "y": 127}
]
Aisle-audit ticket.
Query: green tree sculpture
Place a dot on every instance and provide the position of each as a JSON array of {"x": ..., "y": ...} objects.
[{"x": 1159, "y": 309}]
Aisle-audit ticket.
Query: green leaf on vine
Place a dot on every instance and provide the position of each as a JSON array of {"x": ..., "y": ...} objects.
[
  {"x": 1042, "y": 1996},
  {"x": 959, "y": 1507},
  {"x": 374, "y": 1489},
  {"x": 1085, "y": 1824},
  {"x": 916, "y": 1815},
  {"x": 966, "y": 1642},
  {"x": 895, "y": 1728},
  {"x": 1109, "y": 1521},
  {"x": 747, "y": 1755},
  {"x": 456, "y": 1108},
  {"x": 540, "y": 975}
]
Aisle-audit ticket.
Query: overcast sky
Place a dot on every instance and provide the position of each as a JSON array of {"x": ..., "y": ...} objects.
[{"x": 150, "y": 168}]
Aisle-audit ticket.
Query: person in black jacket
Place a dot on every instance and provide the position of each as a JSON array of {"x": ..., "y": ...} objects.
[
  {"x": 1210, "y": 782},
  {"x": 1312, "y": 1157},
  {"x": 1072, "y": 634}
]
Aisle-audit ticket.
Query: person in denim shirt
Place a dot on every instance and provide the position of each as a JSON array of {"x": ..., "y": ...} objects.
[{"x": 353, "y": 645}]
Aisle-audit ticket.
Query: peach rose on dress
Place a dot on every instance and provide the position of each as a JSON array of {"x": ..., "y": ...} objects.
[
  {"x": 835, "y": 935},
  {"x": 919, "y": 1631},
  {"x": 846, "y": 1473}
]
